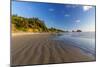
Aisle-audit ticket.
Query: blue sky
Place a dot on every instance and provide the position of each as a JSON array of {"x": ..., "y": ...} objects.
[{"x": 61, "y": 16}]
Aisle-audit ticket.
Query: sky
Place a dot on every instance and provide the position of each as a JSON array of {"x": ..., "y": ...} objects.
[{"x": 62, "y": 16}]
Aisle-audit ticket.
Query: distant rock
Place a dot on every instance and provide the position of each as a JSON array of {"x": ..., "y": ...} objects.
[
  {"x": 73, "y": 31},
  {"x": 78, "y": 31}
]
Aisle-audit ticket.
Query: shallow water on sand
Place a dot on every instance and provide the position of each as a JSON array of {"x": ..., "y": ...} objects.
[{"x": 83, "y": 40}]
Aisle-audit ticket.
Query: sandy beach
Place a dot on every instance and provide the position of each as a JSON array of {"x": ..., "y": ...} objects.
[{"x": 42, "y": 49}]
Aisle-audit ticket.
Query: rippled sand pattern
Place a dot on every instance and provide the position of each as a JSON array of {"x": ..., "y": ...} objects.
[{"x": 41, "y": 49}]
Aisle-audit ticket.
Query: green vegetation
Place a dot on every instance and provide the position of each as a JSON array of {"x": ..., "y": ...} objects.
[
  {"x": 55, "y": 30},
  {"x": 22, "y": 24}
]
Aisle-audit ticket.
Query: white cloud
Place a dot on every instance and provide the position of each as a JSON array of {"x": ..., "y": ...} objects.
[
  {"x": 86, "y": 8},
  {"x": 51, "y": 9},
  {"x": 70, "y": 6},
  {"x": 67, "y": 15},
  {"x": 77, "y": 21}
]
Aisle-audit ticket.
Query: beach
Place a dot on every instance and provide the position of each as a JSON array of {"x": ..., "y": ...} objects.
[{"x": 43, "y": 48}]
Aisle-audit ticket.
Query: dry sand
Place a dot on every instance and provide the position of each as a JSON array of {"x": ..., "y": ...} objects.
[{"x": 41, "y": 49}]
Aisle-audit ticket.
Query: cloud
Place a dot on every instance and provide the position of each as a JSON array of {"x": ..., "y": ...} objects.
[
  {"x": 77, "y": 21},
  {"x": 51, "y": 9},
  {"x": 24, "y": 8},
  {"x": 86, "y": 8},
  {"x": 67, "y": 15},
  {"x": 70, "y": 6}
]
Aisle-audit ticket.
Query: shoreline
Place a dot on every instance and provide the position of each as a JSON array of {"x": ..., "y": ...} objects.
[{"x": 28, "y": 33}]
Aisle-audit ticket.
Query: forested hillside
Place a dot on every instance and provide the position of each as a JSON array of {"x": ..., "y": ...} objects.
[{"x": 22, "y": 24}]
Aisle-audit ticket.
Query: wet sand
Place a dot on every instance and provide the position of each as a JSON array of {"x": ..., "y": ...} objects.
[{"x": 42, "y": 49}]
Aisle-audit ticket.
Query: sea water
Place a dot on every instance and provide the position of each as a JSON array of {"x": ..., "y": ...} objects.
[{"x": 83, "y": 40}]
